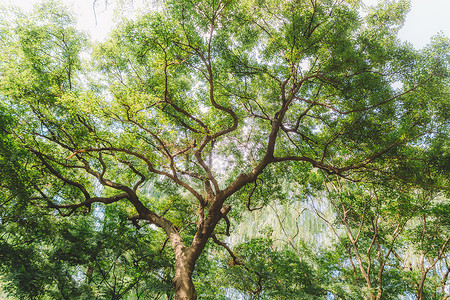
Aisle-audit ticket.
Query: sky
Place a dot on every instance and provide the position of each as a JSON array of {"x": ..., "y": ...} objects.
[{"x": 426, "y": 18}]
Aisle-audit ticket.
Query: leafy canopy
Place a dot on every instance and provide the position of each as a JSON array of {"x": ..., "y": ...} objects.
[{"x": 192, "y": 112}]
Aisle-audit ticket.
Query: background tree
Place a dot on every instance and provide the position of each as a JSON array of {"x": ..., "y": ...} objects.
[
  {"x": 378, "y": 254},
  {"x": 193, "y": 109}
]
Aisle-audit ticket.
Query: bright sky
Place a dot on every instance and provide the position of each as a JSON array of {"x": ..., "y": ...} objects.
[{"x": 426, "y": 18}]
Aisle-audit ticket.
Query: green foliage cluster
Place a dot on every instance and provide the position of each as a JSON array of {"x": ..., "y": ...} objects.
[
  {"x": 274, "y": 273},
  {"x": 48, "y": 257}
]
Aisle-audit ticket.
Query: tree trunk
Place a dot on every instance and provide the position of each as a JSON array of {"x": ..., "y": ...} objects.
[
  {"x": 186, "y": 257},
  {"x": 420, "y": 287},
  {"x": 182, "y": 282}
]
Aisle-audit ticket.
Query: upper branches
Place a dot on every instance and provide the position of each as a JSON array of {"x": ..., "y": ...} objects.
[{"x": 206, "y": 95}]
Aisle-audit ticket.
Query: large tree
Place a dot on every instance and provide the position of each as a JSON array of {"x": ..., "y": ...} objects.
[{"x": 204, "y": 106}]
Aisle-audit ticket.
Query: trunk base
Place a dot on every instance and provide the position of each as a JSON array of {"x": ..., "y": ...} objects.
[{"x": 184, "y": 288}]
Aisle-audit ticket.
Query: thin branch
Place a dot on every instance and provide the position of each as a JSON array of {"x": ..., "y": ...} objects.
[{"x": 251, "y": 194}]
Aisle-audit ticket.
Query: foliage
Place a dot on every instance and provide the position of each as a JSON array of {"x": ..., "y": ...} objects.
[
  {"x": 48, "y": 257},
  {"x": 386, "y": 247},
  {"x": 274, "y": 274},
  {"x": 193, "y": 112}
]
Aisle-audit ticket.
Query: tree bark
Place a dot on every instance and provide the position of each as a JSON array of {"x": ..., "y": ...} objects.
[
  {"x": 184, "y": 266},
  {"x": 182, "y": 282},
  {"x": 421, "y": 284}
]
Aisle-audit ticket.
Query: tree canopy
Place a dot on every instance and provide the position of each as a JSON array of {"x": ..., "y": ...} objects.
[{"x": 126, "y": 165}]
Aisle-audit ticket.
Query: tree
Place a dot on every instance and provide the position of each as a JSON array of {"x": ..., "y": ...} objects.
[
  {"x": 194, "y": 109},
  {"x": 387, "y": 247}
]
